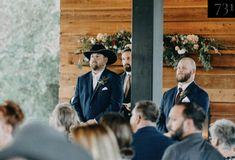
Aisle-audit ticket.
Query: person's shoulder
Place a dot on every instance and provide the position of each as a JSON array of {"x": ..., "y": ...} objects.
[
  {"x": 175, "y": 147},
  {"x": 212, "y": 151},
  {"x": 122, "y": 73},
  {"x": 198, "y": 89},
  {"x": 84, "y": 76},
  {"x": 112, "y": 74},
  {"x": 171, "y": 90}
]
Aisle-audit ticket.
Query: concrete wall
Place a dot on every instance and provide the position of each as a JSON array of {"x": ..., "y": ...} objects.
[{"x": 29, "y": 55}]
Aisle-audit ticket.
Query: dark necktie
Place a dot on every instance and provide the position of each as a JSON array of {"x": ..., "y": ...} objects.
[{"x": 177, "y": 98}]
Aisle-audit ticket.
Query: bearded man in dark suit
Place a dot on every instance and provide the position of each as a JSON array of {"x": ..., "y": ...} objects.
[
  {"x": 126, "y": 79},
  {"x": 186, "y": 91},
  {"x": 100, "y": 90}
]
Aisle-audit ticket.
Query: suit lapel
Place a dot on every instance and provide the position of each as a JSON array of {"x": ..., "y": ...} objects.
[
  {"x": 98, "y": 86},
  {"x": 187, "y": 92},
  {"x": 90, "y": 86},
  {"x": 174, "y": 95}
]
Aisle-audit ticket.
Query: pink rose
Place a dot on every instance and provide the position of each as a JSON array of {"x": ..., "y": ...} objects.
[{"x": 177, "y": 48}]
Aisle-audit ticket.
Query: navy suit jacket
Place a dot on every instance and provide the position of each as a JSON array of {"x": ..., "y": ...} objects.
[
  {"x": 193, "y": 92},
  {"x": 126, "y": 99},
  {"x": 149, "y": 144},
  {"x": 126, "y": 113},
  {"x": 107, "y": 96}
]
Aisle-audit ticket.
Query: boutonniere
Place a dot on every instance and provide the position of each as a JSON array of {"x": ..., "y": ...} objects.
[
  {"x": 184, "y": 94},
  {"x": 102, "y": 81}
]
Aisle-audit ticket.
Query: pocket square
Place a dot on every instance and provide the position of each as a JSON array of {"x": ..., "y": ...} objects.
[
  {"x": 104, "y": 89},
  {"x": 185, "y": 99}
]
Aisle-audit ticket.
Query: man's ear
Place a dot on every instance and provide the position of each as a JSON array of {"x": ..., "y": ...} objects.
[
  {"x": 106, "y": 60},
  {"x": 138, "y": 119},
  {"x": 189, "y": 125}
]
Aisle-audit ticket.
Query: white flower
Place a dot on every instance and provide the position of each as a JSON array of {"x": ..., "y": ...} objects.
[
  {"x": 177, "y": 48},
  {"x": 195, "y": 46},
  {"x": 192, "y": 38},
  {"x": 101, "y": 37},
  {"x": 182, "y": 51},
  {"x": 115, "y": 47},
  {"x": 128, "y": 46},
  {"x": 92, "y": 40},
  {"x": 173, "y": 39}
]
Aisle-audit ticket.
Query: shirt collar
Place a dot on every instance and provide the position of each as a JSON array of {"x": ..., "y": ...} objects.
[
  {"x": 98, "y": 74},
  {"x": 128, "y": 73},
  {"x": 184, "y": 85}
]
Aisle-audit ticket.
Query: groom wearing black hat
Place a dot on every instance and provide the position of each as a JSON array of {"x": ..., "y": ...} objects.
[{"x": 99, "y": 90}]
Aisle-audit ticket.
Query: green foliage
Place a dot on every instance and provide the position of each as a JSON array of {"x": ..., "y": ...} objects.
[
  {"x": 177, "y": 46},
  {"x": 115, "y": 42}
]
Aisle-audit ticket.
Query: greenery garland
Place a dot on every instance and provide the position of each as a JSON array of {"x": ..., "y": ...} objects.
[
  {"x": 176, "y": 46},
  {"x": 115, "y": 42}
]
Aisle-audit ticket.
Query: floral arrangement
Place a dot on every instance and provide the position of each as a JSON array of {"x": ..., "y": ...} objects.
[
  {"x": 115, "y": 42},
  {"x": 180, "y": 45},
  {"x": 176, "y": 46}
]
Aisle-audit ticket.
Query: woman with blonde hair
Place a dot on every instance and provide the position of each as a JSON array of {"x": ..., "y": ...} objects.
[
  {"x": 122, "y": 130},
  {"x": 98, "y": 140},
  {"x": 63, "y": 117}
]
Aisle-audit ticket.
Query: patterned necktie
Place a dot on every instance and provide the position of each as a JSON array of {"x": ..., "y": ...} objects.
[
  {"x": 127, "y": 84},
  {"x": 177, "y": 98}
]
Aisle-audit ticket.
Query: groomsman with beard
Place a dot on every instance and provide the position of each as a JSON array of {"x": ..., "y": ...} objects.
[
  {"x": 185, "y": 91},
  {"x": 126, "y": 78},
  {"x": 185, "y": 124}
]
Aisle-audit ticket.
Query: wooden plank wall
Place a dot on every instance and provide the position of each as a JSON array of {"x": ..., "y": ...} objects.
[{"x": 89, "y": 17}]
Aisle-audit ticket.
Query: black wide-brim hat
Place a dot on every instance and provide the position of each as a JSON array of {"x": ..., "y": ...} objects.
[{"x": 100, "y": 49}]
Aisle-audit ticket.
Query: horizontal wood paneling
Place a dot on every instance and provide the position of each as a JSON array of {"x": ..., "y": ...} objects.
[
  {"x": 202, "y": 27},
  {"x": 92, "y": 28},
  {"x": 194, "y": 13},
  {"x": 214, "y": 79},
  {"x": 95, "y": 4},
  {"x": 222, "y": 110},
  {"x": 101, "y": 15},
  {"x": 185, "y": 3}
]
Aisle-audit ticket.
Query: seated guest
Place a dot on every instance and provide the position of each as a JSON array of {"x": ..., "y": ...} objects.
[
  {"x": 185, "y": 124},
  {"x": 36, "y": 141},
  {"x": 11, "y": 116},
  {"x": 223, "y": 137},
  {"x": 122, "y": 130},
  {"x": 148, "y": 143},
  {"x": 98, "y": 140},
  {"x": 63, "y": 117}
]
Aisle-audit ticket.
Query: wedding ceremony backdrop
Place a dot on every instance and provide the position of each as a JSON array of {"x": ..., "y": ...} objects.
[{"x": 90, "y": 17}]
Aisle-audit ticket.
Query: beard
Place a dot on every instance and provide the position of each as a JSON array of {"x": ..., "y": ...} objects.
[
  {"x": 94, "y": 66},
  {"x": 183, "y": 77},
  {"x": 127, "y": 67},
  {"x": 178, "y": 134}
]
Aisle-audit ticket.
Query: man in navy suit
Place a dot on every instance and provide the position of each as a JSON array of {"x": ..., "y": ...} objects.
[
  {"x": 126, "y": 79},
  {"x": 99, "y": 90},
  {"x": 148, "y": 143},
  {"x": 186, "y": 91}
]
